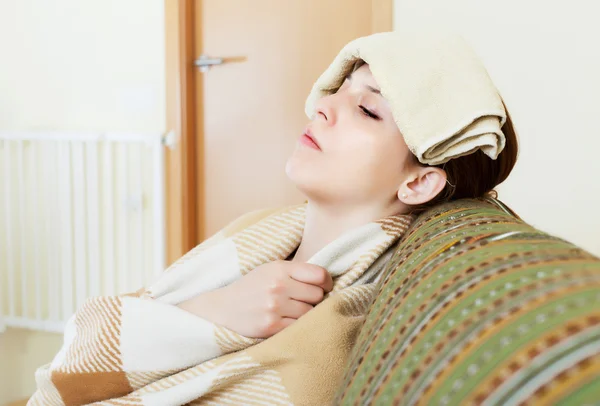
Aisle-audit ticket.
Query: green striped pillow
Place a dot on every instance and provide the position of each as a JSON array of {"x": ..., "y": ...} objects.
[{"x": 476, "y": 306}]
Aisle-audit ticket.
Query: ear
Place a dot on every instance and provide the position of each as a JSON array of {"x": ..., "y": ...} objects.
[{"x": 422, "y": 186}]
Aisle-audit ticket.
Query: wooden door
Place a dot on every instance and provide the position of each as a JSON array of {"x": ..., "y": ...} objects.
[{"x": 245, "y": 116}]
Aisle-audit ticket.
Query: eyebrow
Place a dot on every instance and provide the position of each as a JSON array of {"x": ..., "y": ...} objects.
[{"x": 371, "y": 88}]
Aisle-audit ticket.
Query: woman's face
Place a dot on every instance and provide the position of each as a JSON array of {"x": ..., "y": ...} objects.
[{"x": 360, "y": 156}]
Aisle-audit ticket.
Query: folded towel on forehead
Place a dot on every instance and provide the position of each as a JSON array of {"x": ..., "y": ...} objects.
[{"x": 441, "y": 95}]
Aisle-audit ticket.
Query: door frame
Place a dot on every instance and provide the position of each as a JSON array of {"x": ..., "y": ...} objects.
[{"x": 184, "y": 190}]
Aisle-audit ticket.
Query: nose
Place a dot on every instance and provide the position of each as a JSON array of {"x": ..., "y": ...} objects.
[{"x": 326, "y": 109}]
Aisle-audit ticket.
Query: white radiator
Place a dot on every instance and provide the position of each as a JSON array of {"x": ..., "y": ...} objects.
[{"x": 80, "y": 215}]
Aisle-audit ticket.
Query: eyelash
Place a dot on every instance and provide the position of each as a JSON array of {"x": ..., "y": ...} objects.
[
  {"x": 369, "y": 113},
  {"x": 365, "y": 111}
]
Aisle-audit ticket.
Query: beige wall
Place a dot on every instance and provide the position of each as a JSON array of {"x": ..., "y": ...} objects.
[
  {"x": 71, "y": 65},
  {"x": 82, "y": 65},
  {"x": 544, "y": 58}
]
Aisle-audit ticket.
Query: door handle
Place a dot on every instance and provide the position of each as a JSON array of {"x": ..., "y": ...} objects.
[{"x": 204, "y": 62}]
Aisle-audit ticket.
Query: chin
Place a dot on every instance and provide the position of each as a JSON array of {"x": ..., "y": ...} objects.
[
  {"x": 315, "y": 187},
  {"x": 295, "y": 172},
  {"x": 296, "y": 168},
  {"x": 303, "y": 177},
  {"x": 316, "y": 181}
]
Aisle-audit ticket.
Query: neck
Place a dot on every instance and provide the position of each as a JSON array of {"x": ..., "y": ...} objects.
[{"x": 326, "y": 223}]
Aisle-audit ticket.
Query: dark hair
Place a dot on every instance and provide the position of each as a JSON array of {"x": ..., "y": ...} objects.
[{"x": 476, "y": 175}]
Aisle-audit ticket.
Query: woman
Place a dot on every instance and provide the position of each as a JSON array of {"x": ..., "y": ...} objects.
[
  {"x": 354, "y": 166},
  {"x": 399, "y": 122}
]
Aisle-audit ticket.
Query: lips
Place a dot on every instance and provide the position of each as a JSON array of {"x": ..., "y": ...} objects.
[{"x": 309, "y": 139}]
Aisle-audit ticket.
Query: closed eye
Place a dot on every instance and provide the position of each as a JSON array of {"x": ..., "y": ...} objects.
[{"x": 369, "y": 113}]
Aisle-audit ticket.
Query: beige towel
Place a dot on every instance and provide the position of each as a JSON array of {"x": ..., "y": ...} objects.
[{"x": 441, "y": 95}]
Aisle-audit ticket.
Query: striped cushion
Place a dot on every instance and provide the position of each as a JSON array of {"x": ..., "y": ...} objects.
[{"x": 476, "y": 306}]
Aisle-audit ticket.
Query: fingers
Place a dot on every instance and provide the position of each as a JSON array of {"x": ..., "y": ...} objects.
[
  {"x": 312, "y": 274},
  {"x": 304, "y": 292},
  {"x": 327, "y": 283},
  {"x": 294, "y": 309}
]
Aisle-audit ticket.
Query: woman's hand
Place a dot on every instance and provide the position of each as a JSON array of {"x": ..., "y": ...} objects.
[{"x": 266, "y": 300}]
